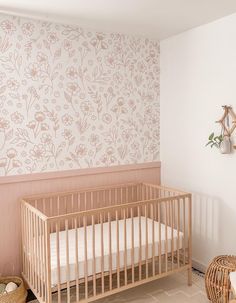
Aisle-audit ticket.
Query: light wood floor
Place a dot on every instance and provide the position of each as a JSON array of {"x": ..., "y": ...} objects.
[{"x": 167, "y": 290}]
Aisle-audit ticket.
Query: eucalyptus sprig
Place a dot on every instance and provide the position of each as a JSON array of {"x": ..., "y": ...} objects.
[{"x": 214, "y": 141}]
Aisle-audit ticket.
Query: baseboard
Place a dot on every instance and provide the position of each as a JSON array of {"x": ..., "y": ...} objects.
[{"x": 199, "y": 266}]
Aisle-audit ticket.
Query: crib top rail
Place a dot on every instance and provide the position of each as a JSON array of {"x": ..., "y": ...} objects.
[
  {"x": 77, "y": 191},
  {"x": 98, "y": 199},
  {"x": 166, "y": 188},
  {"x": 113, "y": 209},
  {"x": 100, "y": 188},
  {"x": 107, "y": 209}
]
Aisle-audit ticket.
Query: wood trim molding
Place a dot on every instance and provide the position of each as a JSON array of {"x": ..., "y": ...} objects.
[{"x": 77, "y": 172}]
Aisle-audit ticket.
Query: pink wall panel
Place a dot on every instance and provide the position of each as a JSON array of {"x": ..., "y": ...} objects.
[{"x": 12, "y": 188}]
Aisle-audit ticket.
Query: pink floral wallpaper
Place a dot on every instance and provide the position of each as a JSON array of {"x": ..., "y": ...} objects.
[{"x": 73, "y": 98}]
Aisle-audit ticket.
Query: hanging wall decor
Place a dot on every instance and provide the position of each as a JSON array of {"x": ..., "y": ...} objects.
[
  {"x": 228, "y": 124},
  {"x": 227, "y": 127}
]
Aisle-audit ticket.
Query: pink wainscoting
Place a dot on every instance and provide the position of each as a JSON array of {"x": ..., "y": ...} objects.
[{"x": 12, "y": 188}]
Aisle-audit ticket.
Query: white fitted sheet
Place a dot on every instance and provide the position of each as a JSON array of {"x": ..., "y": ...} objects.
[{"x": 71, "y": 274}]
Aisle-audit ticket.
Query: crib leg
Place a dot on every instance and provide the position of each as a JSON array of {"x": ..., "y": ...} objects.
[
  {"x": 190, "y": 276},
  {"x": 49, "y": 300}
]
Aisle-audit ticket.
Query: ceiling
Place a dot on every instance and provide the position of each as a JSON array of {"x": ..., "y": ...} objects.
[{"x": 158, "y": 19}]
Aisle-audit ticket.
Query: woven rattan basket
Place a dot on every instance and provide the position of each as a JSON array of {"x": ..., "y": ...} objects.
[
  {"x": 16, "y": 296},
  {"x": 217, "y": 281}
]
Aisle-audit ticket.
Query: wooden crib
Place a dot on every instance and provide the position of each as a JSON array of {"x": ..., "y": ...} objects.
[{"x": 83, "y": 245}]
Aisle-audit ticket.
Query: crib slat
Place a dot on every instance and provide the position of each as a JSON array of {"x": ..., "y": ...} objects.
[
  {"x": 125, "y": 246},
  {"x": 72, "y": 203},
  {"x": 103, "y": 203},
  {"x": 58, "y": 205},
  {"x": 58, "y": 262},
  {"x": 160, "y": 238},
  {"x": 118, "y": 249},
  {"x": 166, "y": 237},
  {"x": 45, "y": 258},
  {"x": 169, "y": 213},
  {"x": 43, "y": 266},
  {"x": 85, "y": 256},
  {"x": 40, "y": 259},
  {"x": 140, "y": 243},
  {"x": 25, "y": 241},
  {"x": 94, "y": 257},
  {"x": 24, "y": 244},
  {"x": 146, "y": 250},
  {"x": 92, "y": 200},
  {"x": 28, "y": 245},
  {"x": 76, "y": 259},
  {"x": 37, "y": 219},
  {"x": 102, "y": 252},
  {"x": 184, "y": 232},
  {"x": 132, "y": 240},
  {"x": 33, "y": 249},
  {"x": 95, "y": 202},
  {"x": 37, "y": 251},
  {"x": 178, "y": 231},
  {"x": 65, "y": 205},
  {"x": 86, "y": 200},
  {"x": 172, "y": 234},
  {"x": 116, "y": 196},
  {"x": 153, "y": 240},
  {"x": 152, "y": 193},
  {"x": 48, "y": 262},
  {"x": 50, "y": 207},
  {"x": 190, "y": 240},
  {"x": 67, "y": 262},
  {"x": 109, "y": 197},
  {"x": 78, "y": 202},
  {"x": 110, "y": 251},
  {"x": 127, "y": 199},
  {"x": 30, "y": 248}
]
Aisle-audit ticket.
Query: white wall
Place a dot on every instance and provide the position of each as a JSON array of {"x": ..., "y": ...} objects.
[{"x": 198, "y": 75}]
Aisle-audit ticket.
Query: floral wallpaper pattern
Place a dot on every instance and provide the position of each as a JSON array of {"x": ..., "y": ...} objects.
[{"x": 72, "y": 98}]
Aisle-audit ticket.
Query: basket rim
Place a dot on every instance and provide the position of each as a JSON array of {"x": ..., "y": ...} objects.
[{"x": 15, "y": 279}]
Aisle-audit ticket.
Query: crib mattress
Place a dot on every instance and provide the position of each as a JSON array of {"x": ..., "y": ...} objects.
[{"x": 70, "y": 274}]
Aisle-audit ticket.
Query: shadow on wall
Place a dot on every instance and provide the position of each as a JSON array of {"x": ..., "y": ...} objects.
[
  {"x": 206, "y": 227},
  {"x": 214, "y": 227}
]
